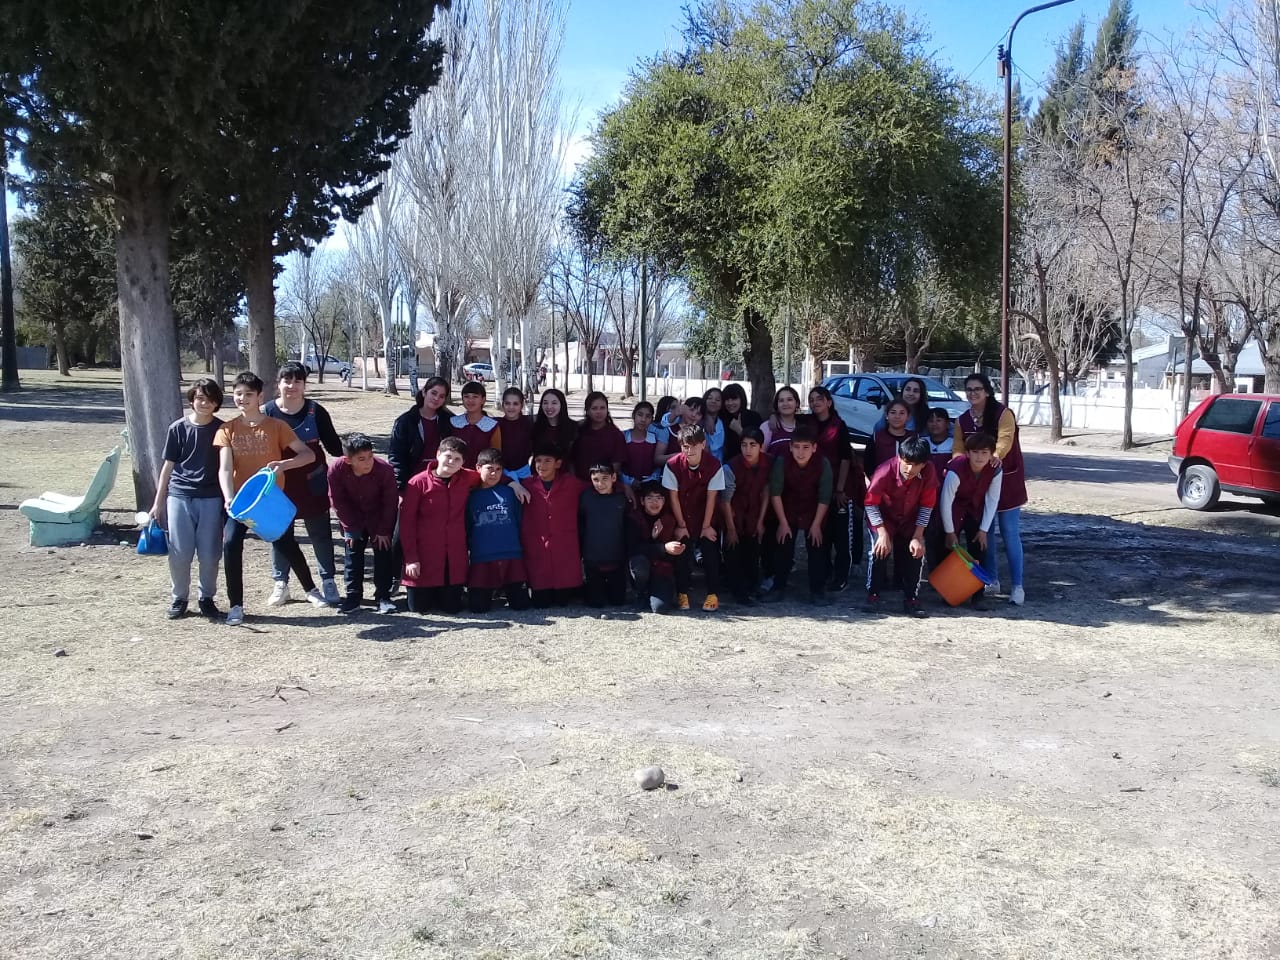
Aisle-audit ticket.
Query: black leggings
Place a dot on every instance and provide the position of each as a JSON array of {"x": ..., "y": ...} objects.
[
  {"x": 742, "y": 566},
  {"x": 233, "y": 534},
  {"x": 480, "y": 599},
  {"x": 447, "y": 599},
  {"x": 710, "y": 565}
]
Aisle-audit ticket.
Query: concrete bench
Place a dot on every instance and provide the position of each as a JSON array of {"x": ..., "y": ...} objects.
[{"x": 58, "y": 519}]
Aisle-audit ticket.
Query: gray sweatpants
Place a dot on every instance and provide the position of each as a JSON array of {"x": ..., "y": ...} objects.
[{"x": 195, "y": 530}]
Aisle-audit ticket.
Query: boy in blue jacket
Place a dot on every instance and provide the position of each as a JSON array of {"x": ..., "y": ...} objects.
[{"x": 493, "y": 537}]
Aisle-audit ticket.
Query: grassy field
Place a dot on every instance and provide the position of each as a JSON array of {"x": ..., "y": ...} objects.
[{"x": 1094, "y": 775}]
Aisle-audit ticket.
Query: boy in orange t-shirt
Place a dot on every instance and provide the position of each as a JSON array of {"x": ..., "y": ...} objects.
[{"x": 249, "y": 443}]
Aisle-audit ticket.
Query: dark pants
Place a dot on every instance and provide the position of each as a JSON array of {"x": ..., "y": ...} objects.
[
  {"x": 769, "y": 547},
  {"x": 710, "y": 565},
  {"x": 906, "y": 568},
  {"x": 480, "y": 599},
  {"x": 969, "y": 527},
  {"x": 447, "y": 599},
  {"x": 233, "y": 534},
  {"x": 836, "y": 535},
  {"x": 935, "y": 541},
  {"x": 551, "y": 598},
  {"x": 353, "y": 562},
  {"x": 818, "y": 569},
  {"x": 742, "y": 566},
  {"x": 651, "y": 582},
  {"x": 605, "y": 588}
]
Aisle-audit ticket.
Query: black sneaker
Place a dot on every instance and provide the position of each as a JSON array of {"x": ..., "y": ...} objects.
[
  {"x": 872, "y": 604},
  {"x": 176, "y": 610},
  {"x": 837, "y": 585},
  {"x": 913, "y": 608},
  {"x": 349, "y": 605},
  {"x": 978, "y": 601},
  {"x": 209, "y": 609}
]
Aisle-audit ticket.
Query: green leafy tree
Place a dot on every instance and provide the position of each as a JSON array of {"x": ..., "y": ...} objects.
[
  {"x": 788, "y": 148},
  {"x": 67, "y": 276},
  {"x": 281, "y": 114}
]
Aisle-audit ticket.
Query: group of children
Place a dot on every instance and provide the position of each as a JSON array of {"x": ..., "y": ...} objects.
[{"x": 471, "y": 509}]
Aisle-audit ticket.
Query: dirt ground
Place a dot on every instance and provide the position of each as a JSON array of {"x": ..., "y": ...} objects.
[{"x": 1093, "y": 775}]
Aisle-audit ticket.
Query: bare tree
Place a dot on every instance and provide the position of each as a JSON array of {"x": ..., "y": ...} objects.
[
  {"x": 378, "y": 268},
  {"x": 306, "y": 298},
  {"x": 583, "y": 284}
]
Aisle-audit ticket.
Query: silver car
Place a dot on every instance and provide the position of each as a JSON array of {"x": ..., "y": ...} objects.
[{"x": 861, "y": 398}]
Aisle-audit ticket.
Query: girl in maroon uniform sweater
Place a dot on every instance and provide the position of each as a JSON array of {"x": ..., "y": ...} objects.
[
  {"x": 552, "y": 426},
  {"x": 884, "y": 444},
  {"x": 473, "y": 426},
  {"x": 517, "y": 434},
  {"x": 598, "y": 440}
]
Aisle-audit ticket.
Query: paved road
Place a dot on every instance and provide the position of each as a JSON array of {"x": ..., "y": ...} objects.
[{"x": 1135, "y": 488}]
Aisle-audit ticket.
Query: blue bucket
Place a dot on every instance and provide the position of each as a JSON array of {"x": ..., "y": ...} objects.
[{"x": 263, "y": 507}]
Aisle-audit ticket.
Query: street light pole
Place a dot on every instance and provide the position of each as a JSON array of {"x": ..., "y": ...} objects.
[{"x": 1004, "y": 69}]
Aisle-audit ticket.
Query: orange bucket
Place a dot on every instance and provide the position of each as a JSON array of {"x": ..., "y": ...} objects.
[{"x": 958, "y": 577}]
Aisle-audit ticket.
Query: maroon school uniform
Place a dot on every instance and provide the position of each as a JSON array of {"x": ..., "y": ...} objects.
[
  {"x": 801, "y": 489},
  {"x": 517, "y": 443},
  {"x": 646, "y": 533},
  {"x": 640, "y": 462},
  {"x": 592, "y": 446},
  {"x": 779, "y": 438},
  {"x": 883, "y": 446},
  {"x": 562, "y": 437},
  {"x": 1013, "y": 488},
  {"x": 549, "y": 533},
  {"x": 433, "y": 527},
  {"x": 750, "y": 492},
  {"x": 970, "y": 500},
  {"x": 896, "y": 503},
  {"x": 692, "y": 486},
  {"x": 478, "y": 436},
  {"x": 365, "y": 505}
]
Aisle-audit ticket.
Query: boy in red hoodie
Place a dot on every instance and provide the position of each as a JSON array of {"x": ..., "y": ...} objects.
[
  {"x": 900, "y": 499},
  {"x": 433, "y": 529}
]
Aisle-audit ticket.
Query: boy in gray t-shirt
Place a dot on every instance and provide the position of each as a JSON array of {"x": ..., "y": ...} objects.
[{"x": 188, "y": 500}]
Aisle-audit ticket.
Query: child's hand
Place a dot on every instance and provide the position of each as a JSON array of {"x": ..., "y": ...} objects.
[
  {"x": 382, "y": 542},
  {"x": 674, "y": 547},
  {"x": 629, "y": 494},
  {"x": 883, "y": 545},
  {"x": 275, "y": 466},
  {"x": 952, "y": 540},
  {"x": 709, "y": 533},
  {"x": 682, "y": 533},
  {"x": 784, "y": 532},
  {"x": 981, "y": 539},
  {"x": 760, "y": 529},
  {"x": 917, "y": 547},
  {"x": 521, "y": 492},
  {"x": 657, "y": 529},
  {"x": 815, "y": 533},
  {"x": 412, "y": 571},
  {"x": 841, "y": 500},
  {"x": 348, "y": 540},
  {"x": 731, "y": 536}
]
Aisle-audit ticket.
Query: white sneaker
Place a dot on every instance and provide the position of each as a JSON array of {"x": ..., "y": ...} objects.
[
  {"x": 386, "y": 606},
  {"x": 330, "y": 591},
  {"x": 279, "y": 594},
  {"x": 316, "y": 598},
  {"x": 1016, "y": 596},
  {"x": 992, "y": 589},
  {"x": 235, "y": 617}
]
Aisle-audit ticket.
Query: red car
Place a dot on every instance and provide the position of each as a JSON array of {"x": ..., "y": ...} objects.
[{"x": 1229, "y": 442}]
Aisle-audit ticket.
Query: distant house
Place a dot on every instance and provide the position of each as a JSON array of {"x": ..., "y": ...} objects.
[
  {"x": 1250, "y": 373},
  {"x": 1152, "y": 366}
]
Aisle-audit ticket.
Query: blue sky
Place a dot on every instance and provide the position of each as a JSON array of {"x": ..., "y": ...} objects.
[{"x": 604, "y": 39}]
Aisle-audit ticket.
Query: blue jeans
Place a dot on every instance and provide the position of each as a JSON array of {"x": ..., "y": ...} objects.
[
  {"x": 1010, "y": 524},
  {"x": 320, "y": 533}
]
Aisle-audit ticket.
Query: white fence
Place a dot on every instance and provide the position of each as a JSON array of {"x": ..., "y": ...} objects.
[
  {"x": 681, "y": 387},
  {"x": 1154, "y": 411}
]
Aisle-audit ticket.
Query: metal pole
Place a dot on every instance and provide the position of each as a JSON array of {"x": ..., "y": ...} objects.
[
  {"x": 644, "y": 330},
  {"x": 1005, "y": 69}
]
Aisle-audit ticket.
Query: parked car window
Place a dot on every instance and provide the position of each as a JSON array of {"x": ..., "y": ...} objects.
[
  {"x": 870, "y": 391},
  {"x": 1271, "y": 428},
  {"x": 1231, "y": 415},
  {"x": 843, "y": 389}
]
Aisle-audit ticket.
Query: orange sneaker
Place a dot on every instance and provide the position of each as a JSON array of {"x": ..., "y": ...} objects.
[
  {"x": 682, "y": 601},
  {"x": 711, "y": 604}
]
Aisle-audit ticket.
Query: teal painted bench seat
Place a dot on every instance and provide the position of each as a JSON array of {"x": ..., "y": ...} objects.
[{"x": 58, "y": 519}]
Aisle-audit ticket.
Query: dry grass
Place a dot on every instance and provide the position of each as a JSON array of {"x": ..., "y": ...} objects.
[{"x": 1092, "y": 777}]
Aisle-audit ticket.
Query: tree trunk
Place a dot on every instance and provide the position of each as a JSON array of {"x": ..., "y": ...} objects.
[
  {"x": 1188, "y": 346},
  {"x": 148, "y": 334},
  {"x": 628, "y": 387},
  {"x": 757, "y": 359},
  {"x": 865, "y": 356},
  {"x": 219, "y": 361},
  {"x": 1126, "y": 441},
  {"x": 91, "y": 349},
  {"x": 1271, "y": 358},
  {"x": 412, "y": 305},
  {"x": 260, "y": 295},
  {"x": 60, "y": 349},
  {"x": 8, "y": 332},
  {"x": 385, "y": 308}
]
